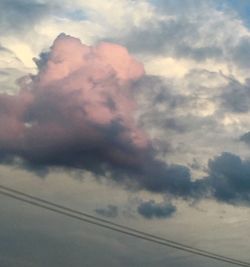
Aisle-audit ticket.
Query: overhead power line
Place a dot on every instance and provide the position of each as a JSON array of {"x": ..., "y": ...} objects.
[
  {"x": 69, "y": 212},
  {"x": 106, "y": 221}
]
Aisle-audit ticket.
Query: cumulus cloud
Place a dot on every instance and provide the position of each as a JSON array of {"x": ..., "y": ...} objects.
[
  {"x": 81, "y": 96},
  {"x": 229, "y": 178},
  {"x": 79, "y": 112},
  {"x": 150, "y": 209}
]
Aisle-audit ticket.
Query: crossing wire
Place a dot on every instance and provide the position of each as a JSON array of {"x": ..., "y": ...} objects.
[{"x": 42, "y": 203}]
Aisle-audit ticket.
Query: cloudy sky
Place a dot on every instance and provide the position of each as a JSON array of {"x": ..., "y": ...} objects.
[{"x": 136, "y": 111}]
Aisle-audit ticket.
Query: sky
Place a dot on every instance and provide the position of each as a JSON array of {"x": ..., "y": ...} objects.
[{"x": 131, "y": 110}]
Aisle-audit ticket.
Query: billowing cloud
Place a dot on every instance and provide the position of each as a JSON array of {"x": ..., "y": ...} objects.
[
  {"x": 91, "y": 107},
  {"x": 229, "y": 178},
  {"x": 78, "y": 112},
  {"x": 150, "y": 209},
  {"x": 81, "y": 101}
]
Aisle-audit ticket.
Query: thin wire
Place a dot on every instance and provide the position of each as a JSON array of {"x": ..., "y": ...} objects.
[
  {"x": 109, "y": 222},
  {"x": 141, "y": 236},
  {"x": 114, "y": 224}
]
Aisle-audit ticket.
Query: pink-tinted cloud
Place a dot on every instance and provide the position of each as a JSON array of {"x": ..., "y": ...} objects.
[
  {"x": 94, "y": 82},
  {"x": 83, "y": 97},
  {"x": 79, "y": 112}
]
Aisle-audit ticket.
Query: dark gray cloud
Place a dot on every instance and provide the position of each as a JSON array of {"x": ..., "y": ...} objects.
[
  {"x": 156, "y": 92},
  {"x": 16, "y": 15},
  {"x": 111, "y": 211},
  {"x": 229, "y": 178},
  {"x": 236, "y": 96},
  {"x": 48, "y": 124},
  {"x": 189, "y": 123},
  {"x": 241, "y": 53},
  {"x": 127, "y": 164},
  {"x": 158, "y": 37},
  {"x": 245, "y": 138},
  {"x": 186, "y": 32},
  {"x": 41, "y": 60},
  {"x": 59, "y": 123},
  {"x": 181, "y": 34},
  {"x": 196, "y": 165},
  {"x": 150, "y": 209},
  {"x": 165, "y": 36}
]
